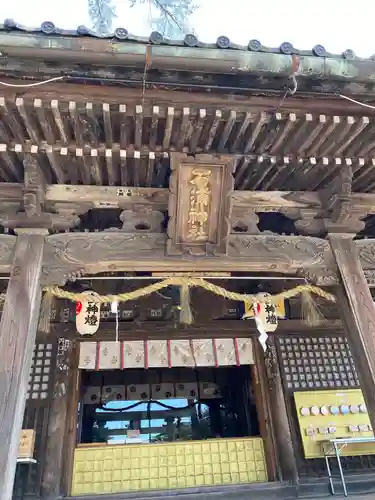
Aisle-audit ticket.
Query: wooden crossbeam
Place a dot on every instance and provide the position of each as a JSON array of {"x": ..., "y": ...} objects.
[
  {"x": 114, "y": 197},
  {"x": 71, "y": 254}
]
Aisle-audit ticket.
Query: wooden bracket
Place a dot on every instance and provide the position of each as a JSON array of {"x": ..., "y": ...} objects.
[{"x": 342, "y": 215}]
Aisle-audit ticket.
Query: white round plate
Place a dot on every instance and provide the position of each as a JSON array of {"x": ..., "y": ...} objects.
[
  {"x": 324, "y": 410},
  {"x": 362, "y": 408},
  {"x": 354, "y": 409},
  {"x": 315, "y": 411},
  {"x": 305, "y": 412}
]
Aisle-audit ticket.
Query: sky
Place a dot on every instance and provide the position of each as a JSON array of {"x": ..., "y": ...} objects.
[{"x": 336, "y": 24}]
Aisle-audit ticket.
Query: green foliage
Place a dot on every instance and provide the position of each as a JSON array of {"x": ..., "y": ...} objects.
[
  {"x": 172, "y": 20},
  {"x": 102, "y": 13}
]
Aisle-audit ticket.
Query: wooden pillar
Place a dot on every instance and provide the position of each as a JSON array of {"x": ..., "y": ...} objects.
[
  {"x": 357, "y": 311},
  {"x": 287, "y": 464},
  {"x": 58, "y": 421},
  {"x": 18, "y": 328},
  {"x": 263, "y": 406}
]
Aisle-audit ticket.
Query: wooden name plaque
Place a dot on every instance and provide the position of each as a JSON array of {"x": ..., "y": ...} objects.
[
  {"x": 27, "y": 443},
  {"x": 199, "y": 204}
]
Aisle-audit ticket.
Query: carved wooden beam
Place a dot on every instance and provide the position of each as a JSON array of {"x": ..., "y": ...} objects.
[
  {"x": 115, "y": 197},
  {"x": 107, "y": 197},
  {"x": 29, "y": 211},
  {"x": 93, "y": 253},
  {"x": 366, "y": 250},
  {"x": 123, "y": 197},
  {"x": 69, "y": 254}
]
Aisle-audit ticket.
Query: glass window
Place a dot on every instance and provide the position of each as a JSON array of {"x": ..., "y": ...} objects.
[{"x": 227, "y": 411}]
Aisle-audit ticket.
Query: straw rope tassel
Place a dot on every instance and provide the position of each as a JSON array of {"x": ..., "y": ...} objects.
[
  {"x": 310, "y": 311},
  {"x": 44, "y": 325},
  {"x": 186, "y": 315}
]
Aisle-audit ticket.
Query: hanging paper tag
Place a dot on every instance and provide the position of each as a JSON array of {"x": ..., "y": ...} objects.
[
  {"x": 88, "y": 314},
  {"x": 263, "y": 335}
]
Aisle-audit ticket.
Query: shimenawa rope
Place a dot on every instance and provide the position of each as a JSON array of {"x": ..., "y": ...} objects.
[{"x": 191, "y": 283}]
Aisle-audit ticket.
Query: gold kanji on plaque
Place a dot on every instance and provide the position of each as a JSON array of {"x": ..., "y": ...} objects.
[{"x": 199, "y": 204}]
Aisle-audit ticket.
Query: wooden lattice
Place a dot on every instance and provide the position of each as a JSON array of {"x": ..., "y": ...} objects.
[
  {"x": 316, "y": 363},
  {"x": 40, "y": 373}
]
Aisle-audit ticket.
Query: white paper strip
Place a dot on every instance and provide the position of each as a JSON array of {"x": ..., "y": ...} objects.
[
  {"x": 157, "y": 353},
  {"x": 134, "y": 354},
  {"x": 181, "y": 353},
  {"x": 198, "y": 352},
  {"x": 245, "y": 351},
  {"x": 225, "y": 352},
  {"x": 109, "y": 356},
  {"x": 87, "y": 355},
  {"x": 204, "y": 352}
]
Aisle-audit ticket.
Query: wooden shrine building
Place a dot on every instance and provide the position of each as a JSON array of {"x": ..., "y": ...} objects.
[{"x": 125, "y": 161}]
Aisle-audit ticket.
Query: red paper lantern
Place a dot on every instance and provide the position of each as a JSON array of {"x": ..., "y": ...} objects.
[{"x": 78, "y": 307}]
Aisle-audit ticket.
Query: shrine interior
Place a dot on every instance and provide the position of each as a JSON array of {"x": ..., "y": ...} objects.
[{"x": 167, "y": 405}]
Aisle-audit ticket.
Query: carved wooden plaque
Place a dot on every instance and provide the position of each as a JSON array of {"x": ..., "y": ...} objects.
[
  {"x": 199, "y": 204},
  {"x": 27, "y": 443}
]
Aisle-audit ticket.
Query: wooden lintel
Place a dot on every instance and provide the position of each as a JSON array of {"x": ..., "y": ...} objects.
[
  {"x": 155, "y": 330},
  {"x": 92, "y": 253},
  {"x": 107, "y": 197},
  {"x": 119, "y": 197}
]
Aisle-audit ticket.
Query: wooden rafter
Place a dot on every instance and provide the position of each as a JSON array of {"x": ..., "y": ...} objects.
[{"x": 104, "y": 142}]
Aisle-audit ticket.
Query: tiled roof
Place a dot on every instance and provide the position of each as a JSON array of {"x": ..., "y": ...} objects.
[{"x": 190, "y": 40}]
